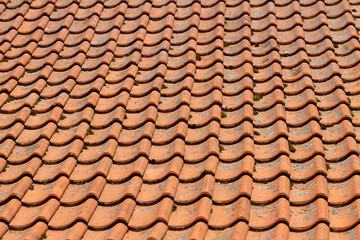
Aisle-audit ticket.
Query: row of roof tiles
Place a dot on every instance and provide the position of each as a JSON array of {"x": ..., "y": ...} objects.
[{"x": 187, "y": 119}]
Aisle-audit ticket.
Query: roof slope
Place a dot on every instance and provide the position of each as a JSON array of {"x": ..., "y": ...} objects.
[{"x": 214, "y": 119}]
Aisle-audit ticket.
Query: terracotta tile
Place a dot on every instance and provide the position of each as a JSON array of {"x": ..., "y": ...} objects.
[
  {"x": 47, "y": 173},
  {"x": 340, "y": 150},
  {"x": 317, "y": 187},
  {"x": 12, "y": 132},
  {"x": 90, "y": 154},
  {"x": 167, "y": 135},
  {"x": 281, "y": 230},
  {"x": 6, "y": 148},
  {"x": 153, "y": 109},
  {"x": 73, "y": 119},
  {"x": 320, "y": 231},
  {"x": 197, "y": 231},
  {"x": 145, "y": 216},
  {"x": 102, "y": 120},
  {"x": 76, "y": 193},
  {"x": 27, "y": 216},
  {"x": 31, "y": 136},
  {"x": 42, "y": 192},
  {"x": 238, "y": 210},
  {"x": 9, "y": 209},
  {"x": 167, "y": 119},
  {"x": 200, "y": 210},
  {"x": 55, "y": 154},
  {"x": 51, "y": 90},
  {"x": 267, "y": 171},
  {"x": 157, "y": 232},
  {"x": 274, "y": 212},
  {"x": 156, "y": 172},
  {"x": 59, "y": 77},
  {"x": 124, "y": 154},
  {"x": 34, "y": 232},
  {"x": 74, "y": 232},
  {"x": 116, "y": 232},
  {"x": 84, "y": 173},
  {"x": 67, "y": 216},
  {"x": 304, "y": 171},
  {"x": 21, "y": 154},
  {"x": 354, "y": 232},
  {"x": 165, "y": 152},
  {"x": 120, "y": 212},
  {"x": 305, "y": 151},
  {"x": 12, "y": 173},
  {"x": 305, "y": 217},
  {"x": 115, "y": 193},
  {"x": 63, "y": 137},
  {"x": 109, "y": 104}
]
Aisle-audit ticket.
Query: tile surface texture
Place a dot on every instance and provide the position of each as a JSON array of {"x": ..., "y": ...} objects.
[{"x": 179, "y": 119}]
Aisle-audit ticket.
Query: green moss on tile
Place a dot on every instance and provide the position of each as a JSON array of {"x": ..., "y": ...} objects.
[
  {"x": 255, "y": 70},
  {"x": 352, "y": 113},
  {"x": 223, "y": 115},
  {"x": 9, "y": 99},
  {"x": 163, "y": 86},
  {"x": 5, "y": 167},
  {"x": 4, "y": 60},
  {"x": 136, "y": 83},
  {"x": 257, "y": 97},
  {"x": 226, "y": 44},
  {"x": 291, "y": 184},
  {"x": 89, "y": 132},
  {"x": 62, "y": 117},
  {"x": 174, "y": 208},
  {"x": 317, "y": 100},
  {"x": 31, "y": 187},
  {"x": 349, "y": 100},
  {"x": 113, "y": 59},
  {"x": 198, "y": 57},
  {"x": 221, "y": 148},
  {"x": 328, "y": 167},
  {"x": 292, "y": 148},
  {"x": 43, "y": 236},
  {"x": 256, "y": 133}
]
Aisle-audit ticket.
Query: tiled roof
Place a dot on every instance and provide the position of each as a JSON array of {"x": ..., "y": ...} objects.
[{"x": 143, "y": 119}]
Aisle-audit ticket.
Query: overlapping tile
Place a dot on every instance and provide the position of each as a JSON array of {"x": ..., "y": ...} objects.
[{"x": 179, "y": 119}]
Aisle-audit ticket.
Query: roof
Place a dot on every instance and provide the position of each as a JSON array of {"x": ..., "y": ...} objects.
[{"x": 160, "y": 119}]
